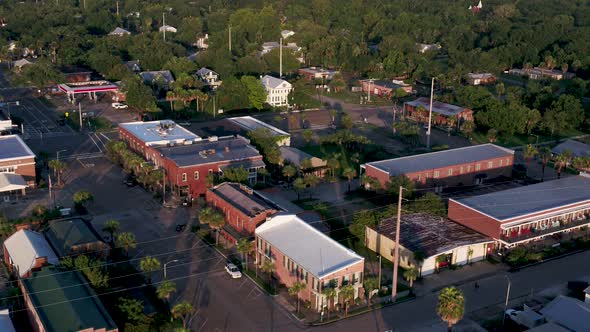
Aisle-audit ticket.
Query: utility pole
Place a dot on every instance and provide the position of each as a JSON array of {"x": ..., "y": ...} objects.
[
  {"x": 163, "y": 185},
  {"x": 117, "y": 8},
  {"x": 80, "y": 112},
  {"x": 229, "y": 34},
  {"x": 164, "y": 24},
  {"x": 369, "y": 97},
  {"x": 84, "y": 4},
  {"x": 430, "y": 114},
  {"x": 214, "y": 106},
  {"x": 281, "y": 58},
  {"x": 396, "y": 250}
]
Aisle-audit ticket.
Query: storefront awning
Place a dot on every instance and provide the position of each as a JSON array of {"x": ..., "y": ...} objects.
[{"x": 11, "y": 181}]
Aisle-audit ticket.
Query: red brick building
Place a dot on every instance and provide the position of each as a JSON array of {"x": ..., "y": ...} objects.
[
  {"x": 26, "y": 251},
  {"x": 302, "y": 253},
  {"x": 529, "y": 213},
  {"x": 456, "y": 167},
  {"x": 417, "y": 110},
  {"x": 17, "y": 167},
  {"x": 383, "y": 88},
  {"x": 244, "y": 209}
]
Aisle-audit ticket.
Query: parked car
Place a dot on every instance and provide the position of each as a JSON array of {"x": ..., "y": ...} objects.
[
  {"x": 119, "y": 106},
  {"x": 233, "y": 270}
]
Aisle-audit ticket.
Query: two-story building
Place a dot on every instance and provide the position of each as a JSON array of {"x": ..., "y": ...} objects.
[
  {"x": 244, "y": 209},
  {"x": 26, "y": 251},
  {"x": 529, "y": 213},
  {"x": 277, "y": 91},
  {"x": 75, "y": 236},
  {"x": 209, "y": 77},
  {"x": 161, "y": 78},
  {"x": 317, "y": 73},
  {"x": 301, "y": 253},
  {"x": 17, "y": 167},
  {"x": 383, "y": 88},
  {"x": 465, "y": 166},
  {"x": 442, "y": 113}
]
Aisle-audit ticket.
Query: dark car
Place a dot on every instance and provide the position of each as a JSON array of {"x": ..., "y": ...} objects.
[{"x": 130, "y": 181}]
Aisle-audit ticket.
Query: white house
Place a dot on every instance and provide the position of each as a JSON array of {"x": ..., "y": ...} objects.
[
  {"x": 202, "y": 41},
  {"x": 168, "y": 28},
  {"x": 277, "y": 90},
  {"x": 119, "y": 32},
  {"x": 209, "y": 77}
]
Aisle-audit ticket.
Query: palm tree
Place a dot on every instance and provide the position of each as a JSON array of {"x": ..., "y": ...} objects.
[
  {"x": 148, "y": 265},
  {"x": 268, "y": 267},
  {"x": 183, "y": 311},
  {"x": 545, "y": 155},
  {"x": 370, "y": 284},
  {"x": 295, "y": 289},
  {"x": 58, "y": 168},
  {"x": 126, "y": 241},
  {"x": 333, "y": 164},
  {"x": 419, "y": 257},
  {"x": 347, "y": 293},
  {"x": 529, "y": 152},
  {"x": 451, "y": 306},
  {"x": 330, "y": 294},
  {"x": 165, "y": 289},
  {"x": 289, "y": 171},
  {"x": 561, "y": 162},
  {"x": 244, "y": 247},
  {"x": 111, "y": 227},
  {"x": 215, "y": 220},
  {"x": 299, "y": 185},
  {"x": 311, "y": 181},
  {"x": 411, "y": 275},
  {"x": 349, "y": 173},
  {"x": 264, "y": 172}
]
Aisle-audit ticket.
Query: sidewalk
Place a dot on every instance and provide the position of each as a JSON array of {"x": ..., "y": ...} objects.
[{"x": 462, "y": 275}]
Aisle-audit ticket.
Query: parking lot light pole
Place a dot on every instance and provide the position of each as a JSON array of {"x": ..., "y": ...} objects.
[
  {"x": 57, "y": 153},
  {"x": 166, "y": 264},
  {"x": 507, "y": 298}
]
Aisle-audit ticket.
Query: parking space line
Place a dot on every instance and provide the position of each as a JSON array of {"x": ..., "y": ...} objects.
[{"x": 93, "y": 141}]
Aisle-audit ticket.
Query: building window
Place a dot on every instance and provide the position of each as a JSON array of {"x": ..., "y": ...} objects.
[
  {"x": 468, "y": 168},
  {"x": 461, "y": 170},
  {"x": 196, "y": 175},
  {"x": 9, "y": 169},
  {"x": 436, "y": 174},
  {"x": 450, "y": 172},
  {"x": 490, "y": 164},
  {"x": 501, "y": 162},
  {"x": 477, "y": 167},
  {"x": 210, "y": 171},
  {"x": 183, "y": 177}
]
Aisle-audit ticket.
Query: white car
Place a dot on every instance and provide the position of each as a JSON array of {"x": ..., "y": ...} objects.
[
  {"x": 119, "y": 106},
  {"x": 233, "y": 271}
]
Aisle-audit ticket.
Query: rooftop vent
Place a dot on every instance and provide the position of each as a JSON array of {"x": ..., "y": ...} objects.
[{"x": 213, "y": 138}]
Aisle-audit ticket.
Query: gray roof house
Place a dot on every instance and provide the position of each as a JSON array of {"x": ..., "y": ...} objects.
[
  {"x": 119, "y": 32},
  {"x": 578, "y": 149},
  {"x": 153, "y": 77},
  {"x": 26, "y": 250}
]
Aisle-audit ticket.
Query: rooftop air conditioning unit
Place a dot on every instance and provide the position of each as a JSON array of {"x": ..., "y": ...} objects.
[{"x": 213, "y": 138}]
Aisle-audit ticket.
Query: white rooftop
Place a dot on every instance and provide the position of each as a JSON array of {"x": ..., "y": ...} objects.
[
  {"x": 249, "y": 123},
  {"x": 270, "y": 82},
  {"x": 12, "y": 147},
  {"x": 160, "y": 132},
  {"x": 313, "y": 250},
  {"x": 25, "y": 246}
]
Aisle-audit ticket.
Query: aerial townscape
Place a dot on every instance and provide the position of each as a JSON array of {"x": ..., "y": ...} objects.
[{"x": 294, "y": 165}]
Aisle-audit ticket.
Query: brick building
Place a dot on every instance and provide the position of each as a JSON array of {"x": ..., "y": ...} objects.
[
  {"x": 441, "y": 241},
  {"x": 58, "y": 300},
  {"x": 302, "y": 253},
  {"x": 26, "y": 251},
  {"x": 75, "y": 236},
  {"x": 244, "y": 209},
  {"x": 417, "y": 110},
  {"x": 529, "y": 213},
  {"x": 480, "y": 78},
  {"x": 17, "y": 167},
  {"x": 383, "y": 88},
  {"x": 455, "y": 167},
  {"x": 317, "y": 73}
]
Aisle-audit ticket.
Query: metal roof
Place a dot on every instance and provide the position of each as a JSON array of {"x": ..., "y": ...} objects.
[
  {"x": 67, "y": 233},
  {"x": 568, "y": 312},
  {"x": 437, "y": 106},
  {"x": 311, "y": 249},
  {"x": 270, "y": 82},
  {"x": 522, "y": 201},
  {"x": 151, "y": 76},
  {"x": 160, "y": 132},
  {"x": 232, "y": 149},
  {"x": 296, "y": 156},
  {"x": 578, "y": 149},
  {"x": 11, "y": 181},
  {"x": 13, "y": 147},
  {"x": 64, "y": 301},
  {"x": 429, "y": 234},
  {"x": 243, "y": 198},
  {"x": 119, "y": 31},
  {"x": 205, "y": 71},
  {"x": 441, "y": 159},
  {"x": 25, "y": 246},
  {"x": 249, "y": 123}
]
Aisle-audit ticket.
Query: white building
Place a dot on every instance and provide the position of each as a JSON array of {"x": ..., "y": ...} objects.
[
  {"x": 168, "y": 28},
  {"x": 209, "y": 77},
  {"x": 277, "y": 90}
]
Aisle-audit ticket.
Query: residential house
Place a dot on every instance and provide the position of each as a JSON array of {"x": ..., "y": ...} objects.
[
  {"x": 269, "y": 46},
  {"x": 438, "y": 241},
  {"x": 480, "y": 78},
  {"x": 119, "y": 32},
  {"x": 159, "y": 78},
  {"x": 277, "y": 91},
  {"x": 538, "y": 73},
  {"x": 5, "y": 321},
  {"x": 17, "y": 167},
  {"x": 577, "y": 149},
  {"x": 465, "y": 166},
  {"x": 295, "y": 157},
  {"x": 384, "y": 88},
  {"x": 244, "y": 209},
  {"x": 202, "y": 42},
  {"x": 20, "y": 64},
  {"x": 423, "y": 48},
  {"x": 26, "y": 251},
  {"x": 58, "y": 300},
  {"x": 525, "y": 214},
  {"x": 287, "y": 33},
  {"x": 167, "y": 28},
  {"x": 209, "y": 77},
  {"x": 75, "y": 236},
  {"x": 133, "y": 65},
  {"x": 317, "y": 73},
  {"x": 443, "y": 114},
  {"x": 301, "y": 253}
]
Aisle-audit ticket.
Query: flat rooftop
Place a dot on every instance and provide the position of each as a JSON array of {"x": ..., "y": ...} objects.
[
  {"x": 160, "y": 132},
  {"x": 91, "y": 86},
  {"x": 437, "y": 106},
  {"x": 13, "y": 147},
  {"x": 64, "y": 234},
  {"x": 313, "y": 250},
  {"x": 441, "y": 159},
  {"x": 429, "y": 234},
  {"x": 250, "y": 124},
  {"x": 243, "y": 198},
  {"x": 232, "y": 148},
  {"x": 526, "y": 200},
  {"x": 64, "y": 301}
]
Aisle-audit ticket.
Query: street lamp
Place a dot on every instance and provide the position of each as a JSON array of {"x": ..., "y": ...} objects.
[
  {"x": 507, "y": 298},
  {"x": 57, "y": 153},
  {"x": 379, "y": 272},
  {"x": 172, "y": 261},
  {"x": 8, "y": 103}
]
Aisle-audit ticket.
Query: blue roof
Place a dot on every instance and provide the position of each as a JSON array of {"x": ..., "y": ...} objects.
[
  {"x": 522, "y": 201},
  {"x": 12, "y": 146}
]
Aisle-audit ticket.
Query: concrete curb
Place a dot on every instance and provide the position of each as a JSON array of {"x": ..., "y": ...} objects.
[
  {"x": 468, "y": 280},
  {"x": 516, "y": 269}
]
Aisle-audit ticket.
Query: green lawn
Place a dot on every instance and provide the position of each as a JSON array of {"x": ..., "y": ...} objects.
[{"x": 522, "y": 139}]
